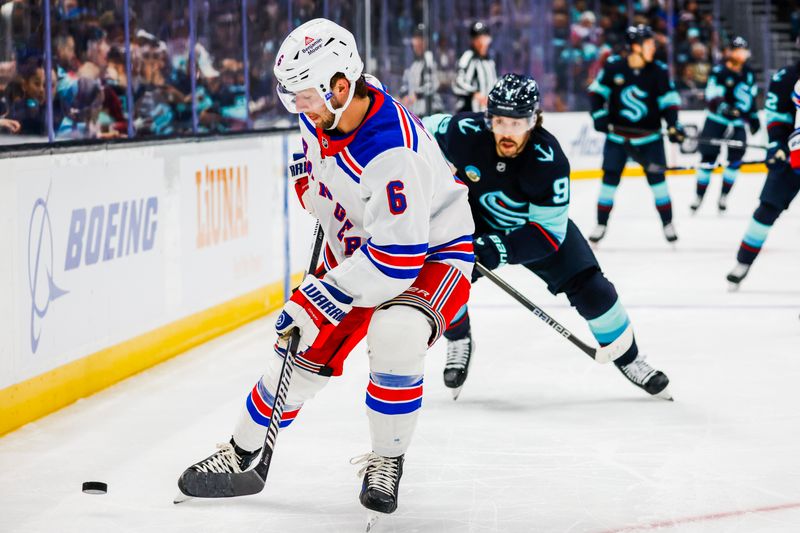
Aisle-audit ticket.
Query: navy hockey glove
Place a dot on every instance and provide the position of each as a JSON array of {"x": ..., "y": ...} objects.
[
  {"x": 754, "y": 124},
  {"x": 676, "y": 133},
  {"x": 490, "y": 251},
  {"x": 602, "y": 123},
  {"x": 776, "y": 155}
]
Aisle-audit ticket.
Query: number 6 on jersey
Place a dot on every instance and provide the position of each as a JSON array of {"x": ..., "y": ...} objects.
[{"x": 397, "y": 200}]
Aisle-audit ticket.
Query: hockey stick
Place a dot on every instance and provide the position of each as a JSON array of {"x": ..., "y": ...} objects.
[
  {"x": 227, "y": 485},
  {"x": 716, "y": 165},
  {"x": 604, "y": 354},
  {"x": 685, "y": 146}
]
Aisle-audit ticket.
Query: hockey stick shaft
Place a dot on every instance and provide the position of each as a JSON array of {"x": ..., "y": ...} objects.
[
  {"x": 701, "y": 140},
  {"x": 285, "y": 380},
  {"x": 604, "y": 354},
  {"x": 536, "y": 310}
]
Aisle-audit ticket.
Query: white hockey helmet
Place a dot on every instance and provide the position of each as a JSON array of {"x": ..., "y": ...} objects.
[{"x": 308, "y": 59}]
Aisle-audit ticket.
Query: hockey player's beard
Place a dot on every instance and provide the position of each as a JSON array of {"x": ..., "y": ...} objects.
[
  {"x": 324, "y": 120},
  {"x": 509, "y": 147}
]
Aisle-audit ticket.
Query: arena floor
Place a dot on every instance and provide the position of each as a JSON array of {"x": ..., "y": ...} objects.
[{"x": 541, "y": 439}]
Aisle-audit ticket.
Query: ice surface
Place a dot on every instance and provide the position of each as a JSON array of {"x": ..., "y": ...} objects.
[{"x": 541, "y": 439}]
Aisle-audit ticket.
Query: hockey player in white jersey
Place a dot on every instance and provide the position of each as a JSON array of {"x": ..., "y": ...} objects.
[{"x": 397, "y": 261}]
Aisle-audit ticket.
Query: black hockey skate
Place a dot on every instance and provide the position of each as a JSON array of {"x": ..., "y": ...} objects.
[
  {"x": 736, "y": 275},
  {"x": 228, "y": 459},
  {"x": 597, "y": 234},
  {"x": 459, "y": 359},
  {"x": 652, "y": 381},
  {"x": 381, "y": 483}
]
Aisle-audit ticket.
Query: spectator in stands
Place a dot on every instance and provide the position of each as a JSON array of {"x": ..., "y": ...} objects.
[
  {"x": 419, "y": 91},
  {"x": 477, "y": 73},
  {"x": 25, "y": 98}
]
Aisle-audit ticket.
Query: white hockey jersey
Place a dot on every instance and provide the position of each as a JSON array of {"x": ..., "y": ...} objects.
[{"x": 387, "y": 201}]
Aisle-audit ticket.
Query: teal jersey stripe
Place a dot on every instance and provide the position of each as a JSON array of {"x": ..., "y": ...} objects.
[
  {"x": 714, "y": 89},
  {"x": 703, "y": 176},
  {"x": 670, "y": 99},
  {"x": 600, "y": 113},
  {"x": 773, "y": 116},
  {"x": 715, "y": 117},
  {"x": 661, "y": 193},
  {"x": 434, "y": 122},
  {"x": 552, "y": 218},
  {"x": 609, "y": 326},
  {"x": 598, "y": 88},
  {"x": 607, "y": 194},
  {"x": 756, "y": 233},
  {"x": 729, "y": 174}
]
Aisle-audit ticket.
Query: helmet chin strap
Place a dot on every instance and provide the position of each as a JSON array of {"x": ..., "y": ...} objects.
[{"x": 337, "y": 113}]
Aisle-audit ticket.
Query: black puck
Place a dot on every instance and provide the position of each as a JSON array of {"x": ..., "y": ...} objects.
[{"x": 94, "y": 487}]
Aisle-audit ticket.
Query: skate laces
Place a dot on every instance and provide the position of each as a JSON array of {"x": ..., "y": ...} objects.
[
  {"x": 224, "y": 461},
  {"x": 381, "y": 472},
  {"x": 639, "y": 371},
  {"x": 458, "y": 353}
]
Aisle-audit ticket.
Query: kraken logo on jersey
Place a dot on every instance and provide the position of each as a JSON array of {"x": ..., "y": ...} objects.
[
  {"x": 635, "y": 110},
  {"x": 472, "y": 173},
  {"x": 504, "y": 213},
  {"x": 744, "y": 97}
]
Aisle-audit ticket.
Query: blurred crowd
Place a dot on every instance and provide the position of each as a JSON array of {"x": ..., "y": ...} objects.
[
  {"x": 93, "y": 88},
  {"x": 584, "y": 38},
  {"x": 90, "y": 82}
]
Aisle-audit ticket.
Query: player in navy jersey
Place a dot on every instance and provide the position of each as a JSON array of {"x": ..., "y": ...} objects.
[
  {"x": 518, "y": 179},
  {"x": 783, "y": 162},
  {"x": 731, "y": 101},
  {"x": 630, "y": 97}
]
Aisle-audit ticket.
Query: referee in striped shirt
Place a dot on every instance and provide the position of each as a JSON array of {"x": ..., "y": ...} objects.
[{"x": 477, "y": 73}]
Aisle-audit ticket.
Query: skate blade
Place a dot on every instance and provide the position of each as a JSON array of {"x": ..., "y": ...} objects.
[
  {"x": 733, "y": 287},
  {"x": 664, "y": 395},
  {"x": 372, "y": 520},
  {"x": 455, "y": 392},
  {"x": 180, "y": 498}
]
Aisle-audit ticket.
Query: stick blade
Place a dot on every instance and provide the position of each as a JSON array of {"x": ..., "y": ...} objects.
[
  {"x": 212, "y": 485},
  {"x": 616, "y": 349}
]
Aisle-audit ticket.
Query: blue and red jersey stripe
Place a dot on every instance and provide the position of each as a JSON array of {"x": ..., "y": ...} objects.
[
  {"x": 394, "y": 395},
  {"x": 399, "y": 261}
]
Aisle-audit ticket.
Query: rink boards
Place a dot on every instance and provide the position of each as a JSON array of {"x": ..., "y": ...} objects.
[{"x": 119, "y": 258}]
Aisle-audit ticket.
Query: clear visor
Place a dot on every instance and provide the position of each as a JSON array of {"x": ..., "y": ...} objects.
[
  {"x": 511, "y": 126},
  {"x": 305, "y": 101}
]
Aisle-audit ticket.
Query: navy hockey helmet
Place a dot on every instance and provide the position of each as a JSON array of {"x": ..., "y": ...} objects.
[
  {"x": 638, "y": 34},
  {"x": 477, "y": 29},
  {"x": 515, "y": 96},
  {"x": 739, "y": 42}
]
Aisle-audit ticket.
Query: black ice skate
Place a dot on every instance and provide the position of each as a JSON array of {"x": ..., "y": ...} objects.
[
  {"x": 736, "y": 275},
  {"x": 669, "y": 233},
  {"x": 228, "y": 459},
  {"x": 381, "y": 483},
  {"x": 459, "y": 359},
  {"x": 647, "y": 378},
  {"x": 597, "y": 234}
]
